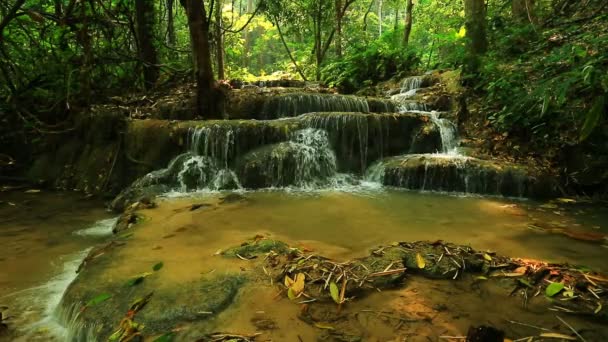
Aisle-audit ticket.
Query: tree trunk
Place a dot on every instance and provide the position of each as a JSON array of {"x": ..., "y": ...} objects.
[
  {"x": 209, "y": 98},
  {"x": 219, "y": 36},
  {"x": 250, "y": 8},
  {"x": 379, "y": 18},
  {"x": 170, "y": 24},
  {"x": 318, "y": 42},
  {"x": 523, "y": 10},
  {"x": 408, "y": 22},
  {"x": 84, "y": 39},
  {"x": 475, "y": 23},
  {"x": 369, "y": 9},
  {"x": 144, "y": 16},
  {"x": 339, "y": 15}
]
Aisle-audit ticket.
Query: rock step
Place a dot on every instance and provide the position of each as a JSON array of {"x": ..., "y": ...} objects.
[
  {"x": 97, "y": 161},
  {"x": 449, "y": 173}
]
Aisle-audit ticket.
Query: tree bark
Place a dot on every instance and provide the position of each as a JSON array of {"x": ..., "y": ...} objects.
[
  {"x": 339, "y": 15},
  {"x": 219, "y": 36},
  {"x": 144, "y": 16},
  {"x": 369, "y": 9},
  {"x": 170, "y": 24},
  {"x": 475, "y": 23},
  {"x": 408, "y": 22},
  {"x": 318, "y": 52},
  {"x": 379, "y": 18},
  {"x": 209, "y": 98}
]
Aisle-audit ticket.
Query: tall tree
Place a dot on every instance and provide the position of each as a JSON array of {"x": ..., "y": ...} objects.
[
  {"x": 219, "y": 40},
  {"x": 338, "y": 41},
  {"x": 379, "y": 17},
  {"x": 341, "y": 6},
  {"x": 144, "y": 16},
  {"x": 475, "y": 23},
  {"x": 408, "y": 22},
  {"x": 170, "y": 24},
  {"x": 209, "y": 98}
]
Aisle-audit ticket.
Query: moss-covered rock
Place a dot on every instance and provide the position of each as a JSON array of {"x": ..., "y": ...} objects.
[
  {"x": 465, "y": 174},
  {"x": 256, "y": 248},
  {"x": 167, "y": 308}
]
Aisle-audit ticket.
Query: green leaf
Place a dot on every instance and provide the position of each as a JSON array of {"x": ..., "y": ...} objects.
[
  {"x": 335, "y": 293},
  {"x": 138, "y": 279},
  {"x": 553, "y": 289},
  {"x": 593, "y": 117},
  {"x": 99, "y": 299},
  {"x": 525, "y": 283},
  {"x": 158, "y": 266}
]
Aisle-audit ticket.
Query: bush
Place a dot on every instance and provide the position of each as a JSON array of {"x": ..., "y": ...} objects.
[{"x": 362, "y": 66}]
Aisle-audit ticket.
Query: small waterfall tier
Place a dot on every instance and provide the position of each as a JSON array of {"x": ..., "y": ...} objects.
[
  {"x": 454, "y": 173},
  {"x": 306, "y": 160},
  {"x": 294, "y": 104},
  {"x": 304, "y": 151}
]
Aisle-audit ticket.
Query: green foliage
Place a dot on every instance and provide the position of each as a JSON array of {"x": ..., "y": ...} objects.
[
  {"x": 379, "y": 61},
  {"x": 545, "y": 85}
]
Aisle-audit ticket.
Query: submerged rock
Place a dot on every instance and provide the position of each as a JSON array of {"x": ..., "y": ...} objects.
[
  {"x": 441, "y": 172},
  {"x": 194, "y": 301}
]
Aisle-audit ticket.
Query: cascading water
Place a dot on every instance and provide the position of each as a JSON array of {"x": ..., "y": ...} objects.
[
  {"x": 447, "y": 130},
  {"x": 290, "y": 105},
  {"x": 411, "y": 83},
  {"x": 305, "y": 161}
]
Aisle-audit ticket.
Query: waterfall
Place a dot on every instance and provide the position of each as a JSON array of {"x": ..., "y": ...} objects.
[
  {"x": 290, "y": 105},
  {"x": 447, "y": 130},
  {"x": 351, "y": 132},
  {"x": 314, "y": 160},
  {"x": 411, "y": 83},
  {"x": 217, "y": 142},
  {"x": 306, "y": 160}
]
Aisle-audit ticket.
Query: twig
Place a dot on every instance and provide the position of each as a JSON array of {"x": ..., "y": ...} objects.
[
  {"x": 391, "y": 272},
  {"x": 528, "y": 325},
  {"x": 571, "y": 328}
]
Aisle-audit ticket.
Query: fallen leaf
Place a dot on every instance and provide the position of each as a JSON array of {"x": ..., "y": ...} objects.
[
  {"x": 138, "y": 279},
  {"x": 298, "y": 285},
  {"x": 549, "y": 206},
  {"x": 335, "y": 293},
  {"x": 98, "y": 299},
  {"x": 556, "y": 335},
  {"x": 566, "y": 200},
  {"x": 288, "y": 281},
  {"x": 525, "y": 283},
  {"x": 158, "y": 266},
  {"x": 291, "y": 294},
  {"x": 481, "y": 278},
  {"x": 487, "y": 257},
  {"x": 420, "y": 261},
  {"x": 32, "y": 191},
  {"x": 598, "y": 309},
  {"x": 553, "y": 289}
]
